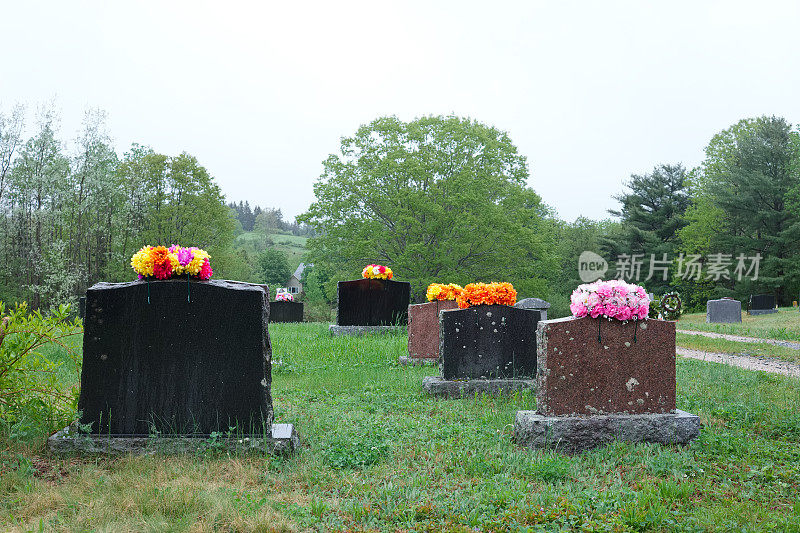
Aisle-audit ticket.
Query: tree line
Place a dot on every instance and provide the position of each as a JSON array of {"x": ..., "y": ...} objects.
[
  {"x": 439, "y": 199},
  {"x": 70, "y": 217},
  {"x": 446, "y": 199}
]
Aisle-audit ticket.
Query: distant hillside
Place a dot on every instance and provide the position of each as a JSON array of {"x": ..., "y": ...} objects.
[{"x": 254, "y": 242}]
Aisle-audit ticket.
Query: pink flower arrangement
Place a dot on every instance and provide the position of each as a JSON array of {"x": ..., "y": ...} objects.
[{"x": 610, "y": 299}]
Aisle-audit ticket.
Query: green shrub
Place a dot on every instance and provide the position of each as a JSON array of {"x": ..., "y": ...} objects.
[{"x": 32, "y": 397}]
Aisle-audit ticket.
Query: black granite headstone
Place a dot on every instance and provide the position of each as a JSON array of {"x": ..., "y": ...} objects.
[
  {"x": 176, "y": 366},
  {"x": 285, "y": 311},
  {"x": 488, "y": 341},
  {"x": 761, "y": 304},
  {"x": 373, "y": 302}
]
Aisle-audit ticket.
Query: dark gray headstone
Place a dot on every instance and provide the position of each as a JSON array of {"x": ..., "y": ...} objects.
[
  {"x": 175, "y": 366},
  {"x": 724, "y": 311},
  {"x": 762, "y": 304},
  {"x": 488, "y": 341},
  {"x": 373, "y": 302},
  {"x": 536, "y": 304},
  {"x": 285, "y": 311},
  {"x": 82, "y": 307}
]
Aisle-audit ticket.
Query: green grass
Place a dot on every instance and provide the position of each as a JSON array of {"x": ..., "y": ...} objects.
[
  {"x": 293, "y": 246},
  {"x": 378, "y": 455},
  {"x": 783, "y": 325},
  {"x": 697, "y": 342}
]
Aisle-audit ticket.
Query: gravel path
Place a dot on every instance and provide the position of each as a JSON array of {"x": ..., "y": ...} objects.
[
  {"x": 738, "y": 338},
  {"x": 742, "y": 361}
]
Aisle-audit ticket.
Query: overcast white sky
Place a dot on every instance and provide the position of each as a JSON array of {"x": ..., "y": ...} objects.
[{"x": 262, "y": 92}]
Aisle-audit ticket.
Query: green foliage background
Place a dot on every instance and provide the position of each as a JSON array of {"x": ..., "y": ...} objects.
[{"x": 439, "y": 199}]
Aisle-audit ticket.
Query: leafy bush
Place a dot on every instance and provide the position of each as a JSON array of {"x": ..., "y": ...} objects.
[{"x": 31, "y": 393}]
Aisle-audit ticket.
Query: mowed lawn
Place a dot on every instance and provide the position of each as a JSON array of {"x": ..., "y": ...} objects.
[
  {"x": 783, "y": 325},
  {"x": 378, "y": 455}
]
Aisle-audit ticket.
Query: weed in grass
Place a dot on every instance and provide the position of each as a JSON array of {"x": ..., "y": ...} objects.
[{"x": 355, "y": 450}]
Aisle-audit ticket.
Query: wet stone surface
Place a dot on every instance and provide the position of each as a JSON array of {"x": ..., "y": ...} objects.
[
  {"x": 284, "y": 311},
  {"x": 724, "y": 311},
  {"x": 488, "y": 341},
  {"x": 194, "y": 360},
  {"x": 590, "y": 366},
  {"x": 536, "y": 304},
  {"x": 423, "y": 328},
  {"x": 762, "y": 304},
  {"x": 373, "y": 302}
]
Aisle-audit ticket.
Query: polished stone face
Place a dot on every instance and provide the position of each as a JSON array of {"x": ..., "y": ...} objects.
[
  {"x": 285, "y": 311},
  {"x": 590, "y": 366},
  {"x": 725, "y": 311},
  {"x": 195, "y": 360},
  {"x": 488, "y": 341},
  {"x": 373, "y": 302},
  {"x": 762, "y": 302},
  {"x": 423, "y": 328}
]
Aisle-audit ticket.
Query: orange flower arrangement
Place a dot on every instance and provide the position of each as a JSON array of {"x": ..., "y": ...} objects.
[{"x": 487, "y": 294}]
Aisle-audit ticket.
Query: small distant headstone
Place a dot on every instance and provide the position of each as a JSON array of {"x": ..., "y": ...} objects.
[
  {"x": 537, "y": 304},
  {"x": 82, "y": 307},
  {"x": 285, "y": 311},
  {"x": 600, "y": 380},
  {"x": 371, "y": 305},
  {"x": 762, "y": 304},
  {"x": 172, "y": 358},
  {"x": 486, "y": 348},
  {"x": 423, "y": 329},
  {"x": 724, "y": 311}
]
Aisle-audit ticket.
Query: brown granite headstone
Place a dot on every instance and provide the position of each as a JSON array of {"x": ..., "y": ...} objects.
[
  {"x": 589, "y": 366},
  {"x": 423, "y": 328}
]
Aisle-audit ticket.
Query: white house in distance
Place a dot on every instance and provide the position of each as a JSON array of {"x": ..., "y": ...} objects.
[{"x": 293, "y": 285}]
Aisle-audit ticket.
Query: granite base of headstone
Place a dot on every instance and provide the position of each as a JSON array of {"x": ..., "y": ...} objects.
[
  {"x": 761, "y": 304},
  {"x": 405, "y": 360},
  {"x": 537, "y": 304},
  {"x": 487, "y": 349},
  {"x": 724, "y": 311},
  {"x": 175, "y": 360},
  {"x": 371, "y": 306},
  {"x": 337, "y": 331},
  {"x": 285, "y": 311},
  {"x": 423, "y": 329},
  {"x": 601, "y": 380},
  {"x": 281, "y": 439},
  {"x": 454, "y": 389}
]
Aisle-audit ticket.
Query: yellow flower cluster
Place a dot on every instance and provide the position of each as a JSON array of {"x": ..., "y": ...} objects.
[
  {"x": 438, "y": 291},
  {"x": 142, "y": 262}
]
